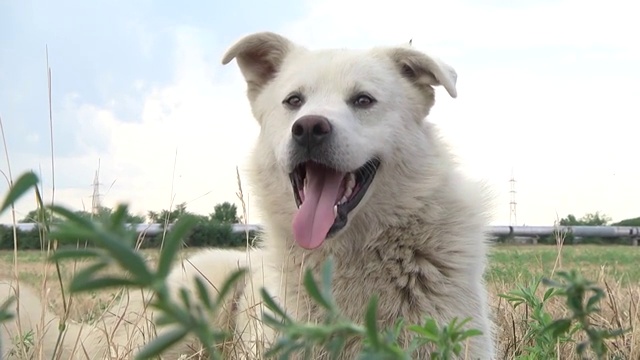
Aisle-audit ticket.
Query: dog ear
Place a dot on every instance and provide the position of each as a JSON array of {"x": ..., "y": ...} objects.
[
  {"x": 425, "y": 70},
  {"x": 259, "y": 57}
]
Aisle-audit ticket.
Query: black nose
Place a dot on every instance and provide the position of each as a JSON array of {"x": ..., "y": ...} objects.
[{"x": 311, "y": 130}]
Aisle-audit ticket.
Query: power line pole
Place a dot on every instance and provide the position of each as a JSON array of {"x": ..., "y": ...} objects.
[
  {"x": 513, "y": 220},
  {"x": 95, "y": 197}
]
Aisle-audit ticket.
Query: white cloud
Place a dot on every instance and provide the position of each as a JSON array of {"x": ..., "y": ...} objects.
[
  {"x": 559, "y": 128},
  {"x": 570, "y": 136},
  {"x": 198, "y": 121},
  {"x": 468, "y": 24}
]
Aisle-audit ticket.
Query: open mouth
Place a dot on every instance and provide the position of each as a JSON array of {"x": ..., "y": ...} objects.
[{"x": 325, "y": 197}]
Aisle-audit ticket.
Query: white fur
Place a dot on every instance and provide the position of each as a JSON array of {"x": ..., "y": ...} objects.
[{"x": 416, "y": 239}]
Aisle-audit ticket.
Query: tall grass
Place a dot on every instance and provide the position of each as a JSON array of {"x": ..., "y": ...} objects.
[
  {"x": 562, "y": 316},
  {"x": 541, "y": 332}
]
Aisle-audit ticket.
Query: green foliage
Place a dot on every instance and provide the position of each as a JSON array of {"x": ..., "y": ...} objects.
[
  {"x": 225, "y": 213},
  {"x": 18, "y": 189},
  {"x": 335, "y": 331},
  {"x": 447, "y": 339},
  {"x": 40, "y": 216},
  {"x": 168, "y": 216},
  {"x": 628, "y": 222},
  {"x": 582, "y": 299},
  {"x": 590, "y": 219},
  {"x": 537, "y": 341},
  {"x": 203, "y": 234},
  {"x": 114, "y": 244},
  {"x": 544, "y": 333}
]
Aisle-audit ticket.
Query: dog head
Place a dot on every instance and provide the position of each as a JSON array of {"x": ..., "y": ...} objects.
[{"x": 336, "y": 126}]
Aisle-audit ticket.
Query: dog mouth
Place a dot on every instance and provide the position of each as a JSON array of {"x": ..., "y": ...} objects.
[{"x": 325, "y": 197}]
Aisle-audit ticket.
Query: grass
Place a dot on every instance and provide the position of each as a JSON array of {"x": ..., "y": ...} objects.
[
  {"x": 613, "y": 267},
  {"x": 532, "y": 320},
  {"x": 511, "y": 264}
]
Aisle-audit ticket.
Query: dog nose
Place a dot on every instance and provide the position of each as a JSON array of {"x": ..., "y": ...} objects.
[{"x": 311, "y": 130}]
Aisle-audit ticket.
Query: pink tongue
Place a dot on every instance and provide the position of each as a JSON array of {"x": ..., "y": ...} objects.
[{"x": 315, "y": 216}]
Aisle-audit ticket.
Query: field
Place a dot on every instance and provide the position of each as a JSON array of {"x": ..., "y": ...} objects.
[{"x": 614, "y": 268}]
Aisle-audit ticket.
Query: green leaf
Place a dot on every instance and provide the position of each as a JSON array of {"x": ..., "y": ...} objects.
[
  {"x": 335, "y": 346},
  {"x": 314, "y": 292},
  {"x": 118, "y": 217},
  {"x": 25, "y": 182},
  {"x": 162, "y": 343},
  {"x": 203, "y": 293},
  {"x": 271, "y": 304},
  {"x": 559, "y": 327},
  {"x": 549, "y": 294},
  {"x": 62, "y": 254},
  {"x": 84, "y": 276},
  {"x": 371, "y": 322},
  {"x": 327, "y": 271},
  {"x": 5, "y": 315},
  {"x": 470, "y": 333},
  {"x": 128, "y": 258},
  {"x": 172, "y": 243},
  {"x": 72, "y": 217},
  {"x": 593, "y": 301},
  {"x": 103, "y": 283}
]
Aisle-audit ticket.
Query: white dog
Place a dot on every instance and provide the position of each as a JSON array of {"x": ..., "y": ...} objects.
[{"x": 347, "y": 166}]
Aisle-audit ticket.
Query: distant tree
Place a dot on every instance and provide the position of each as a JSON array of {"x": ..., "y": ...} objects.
[
  {"x": 135, "y": 219},
  {"x": 166, "y": 216},
  {"x": 104, "y": 212},
  {"x": 569, "y": 220},
  {"x": 225, "y": 213},
  {"x": 153, "y": 216},
  {"x": 181, "y": 208},
  {"x": 39, "y": 215},
  {"x": 628, "y": 222},
  {"x": 591, "y": 219}
]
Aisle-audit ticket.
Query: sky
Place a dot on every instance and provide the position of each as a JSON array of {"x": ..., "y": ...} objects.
[{"x": 547, "y": 91}]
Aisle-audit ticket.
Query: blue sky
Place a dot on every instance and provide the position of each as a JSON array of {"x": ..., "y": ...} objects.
[{"x": 548, "y": 88}]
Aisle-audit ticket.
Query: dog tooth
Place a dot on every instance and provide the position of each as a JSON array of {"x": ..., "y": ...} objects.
[
  {"x": 351, "y": 181},
  {"x": 343, "y": 200},
  {"x": 347, "y": 192},
  {"x": 335, "y": 211}
]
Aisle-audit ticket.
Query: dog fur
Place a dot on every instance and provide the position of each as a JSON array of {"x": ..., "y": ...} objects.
[{"x": 416, "y": 239}]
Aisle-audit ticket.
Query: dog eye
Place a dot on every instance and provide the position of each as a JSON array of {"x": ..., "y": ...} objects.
[
  {"x": 293, "y": 101},
  {"x": 363, "y": 101}
]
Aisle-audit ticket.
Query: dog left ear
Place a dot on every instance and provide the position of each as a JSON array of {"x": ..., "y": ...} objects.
[
  {"x": 259, "y": 57},
  {"x": 425, "y": 70}
]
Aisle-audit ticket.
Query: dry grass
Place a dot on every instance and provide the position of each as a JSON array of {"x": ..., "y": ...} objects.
[{"x": 613, "y": 267}]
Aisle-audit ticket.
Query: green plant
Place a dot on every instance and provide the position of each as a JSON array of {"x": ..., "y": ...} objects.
[
  {"x": 537, "y": 341},
  {"x": 447, "y": 340},
  {"x": 115, "y": 243},
  {"x": 543, "y": 333},
  {"x": 335, "y": 331},
  {"x": 582, "y": 299}
]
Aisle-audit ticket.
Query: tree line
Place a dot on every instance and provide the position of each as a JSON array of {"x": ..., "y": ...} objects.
[
  {"x": 214, "y": 230},
  {"x": 590, "y": 219}
]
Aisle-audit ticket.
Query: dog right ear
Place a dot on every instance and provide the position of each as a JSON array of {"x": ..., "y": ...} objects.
[
  {"x": 424, "y": 70},
  {"x": 259, "y": 57}
]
